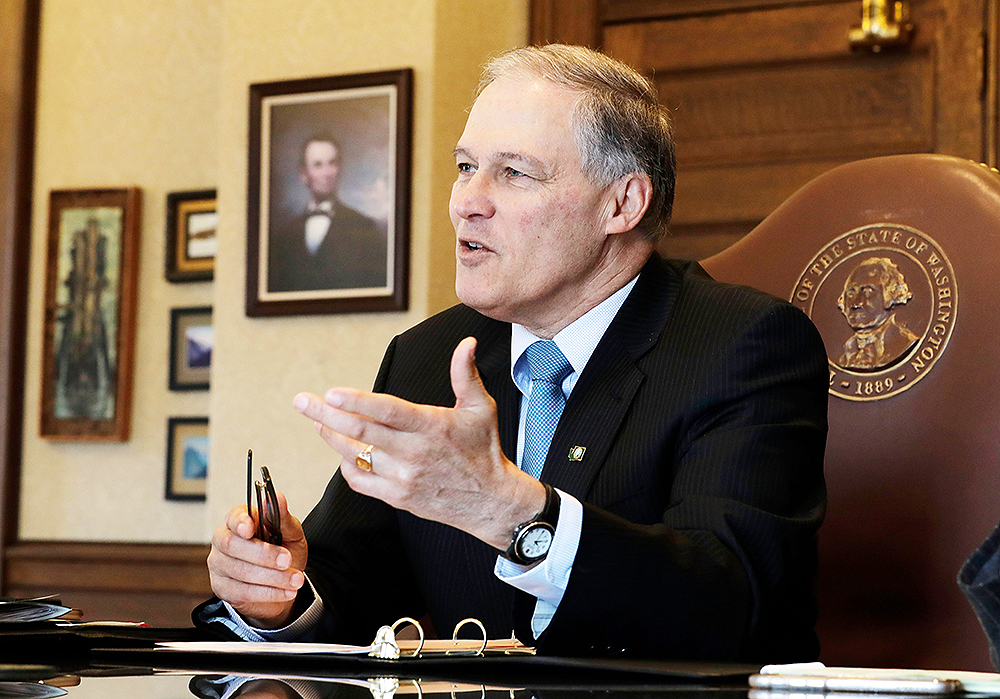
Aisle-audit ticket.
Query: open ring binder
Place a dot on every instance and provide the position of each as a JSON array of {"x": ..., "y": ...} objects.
[{"x": 387, "y": 646}]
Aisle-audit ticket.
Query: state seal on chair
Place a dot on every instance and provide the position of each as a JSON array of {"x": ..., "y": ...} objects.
[{"x": 885, "y": 299}]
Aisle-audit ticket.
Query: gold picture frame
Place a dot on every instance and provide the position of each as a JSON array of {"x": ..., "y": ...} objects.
[{"x": 192, "y": 221}]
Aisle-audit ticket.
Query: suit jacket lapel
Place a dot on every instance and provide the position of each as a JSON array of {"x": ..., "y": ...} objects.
[
  {"x": 602, "y": 396},
  {"x": 493, "y": 362}
]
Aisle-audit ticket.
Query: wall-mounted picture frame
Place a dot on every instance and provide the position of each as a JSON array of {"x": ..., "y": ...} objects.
[
  {"x": 328, "y": 219},
  {"x": 187, "y": 458},
  {"x": 192, "y": 221},
  {"x": 90, "y": 309},
  {"x": 192, "y": 338}
]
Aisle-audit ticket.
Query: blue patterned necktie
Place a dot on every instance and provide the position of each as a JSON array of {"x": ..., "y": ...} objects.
[{"x": 549, "y": 368}]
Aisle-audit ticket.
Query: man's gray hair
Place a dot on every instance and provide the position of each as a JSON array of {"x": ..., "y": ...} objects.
[{"x": 619, "y": 126}]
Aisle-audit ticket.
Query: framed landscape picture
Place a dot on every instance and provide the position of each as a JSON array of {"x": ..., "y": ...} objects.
[
  {"x": 90, "y": 307},
  {"x": 191, "y": 236},
  {"x": 187, "y": 458},
  {"x": 192, "y": 338},
  {"x": 329, "y": 194}
]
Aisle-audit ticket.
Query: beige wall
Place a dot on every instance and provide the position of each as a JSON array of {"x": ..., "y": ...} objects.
[{"x": 153, "y": 93}]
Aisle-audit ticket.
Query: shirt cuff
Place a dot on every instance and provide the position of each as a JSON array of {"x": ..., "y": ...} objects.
[
  {"x": 301, "y": 629},
  {"x": 548, "y": 579}
]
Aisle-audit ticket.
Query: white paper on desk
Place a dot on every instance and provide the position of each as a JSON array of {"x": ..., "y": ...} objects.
[
  {"x": 242, "y": 647},
  {"x": 972, "y": 682}
]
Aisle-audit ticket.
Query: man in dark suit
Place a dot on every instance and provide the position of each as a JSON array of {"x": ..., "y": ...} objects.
[
  {"x": 329, "y": 245},
  {"x": 678, "y": 499}
]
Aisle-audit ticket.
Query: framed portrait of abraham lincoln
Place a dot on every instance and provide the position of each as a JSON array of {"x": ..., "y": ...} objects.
[
  {"x": 328, "y": 194},
  {"x": 90, "y": 300}
]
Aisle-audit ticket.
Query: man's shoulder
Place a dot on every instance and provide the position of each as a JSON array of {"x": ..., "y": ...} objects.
[
  {"x": 696, "y": 311},
  {"x": 702, "y": 287},
  {"x": 690, "y": 295}
]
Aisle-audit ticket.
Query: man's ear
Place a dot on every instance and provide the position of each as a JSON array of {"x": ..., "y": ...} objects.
[{"x": 632, "y": 194}]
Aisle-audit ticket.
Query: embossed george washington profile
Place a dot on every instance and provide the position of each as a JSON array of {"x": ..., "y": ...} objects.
[
  {"x": 872, "y": 292},
  {"x": 884, "y": 298}
]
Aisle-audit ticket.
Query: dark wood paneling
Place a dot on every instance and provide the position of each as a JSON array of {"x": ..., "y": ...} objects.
[
  {"x": 734, "y": 39},
  {"x": 689, "y": 242},
  {"x": 559, "y": 21},
  {"x": 802, "y": 111},
  {"x": 155, "y": 583},
  {"x": 18, "y": 69},
  {"x": 632, "y": 10}
]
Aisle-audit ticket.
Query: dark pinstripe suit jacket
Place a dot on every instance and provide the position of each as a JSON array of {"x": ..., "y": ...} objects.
[
  {"x": 979, "y": 579},
  {"x": 703, "y": 414}
]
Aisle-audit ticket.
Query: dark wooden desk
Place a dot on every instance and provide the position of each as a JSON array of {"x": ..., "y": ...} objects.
[{"x": 111, "y": 663}]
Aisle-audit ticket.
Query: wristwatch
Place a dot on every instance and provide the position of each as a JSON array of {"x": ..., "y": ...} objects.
[{"x": 533, "y": 539}]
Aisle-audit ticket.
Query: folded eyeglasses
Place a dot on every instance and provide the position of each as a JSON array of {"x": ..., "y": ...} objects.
[{"x": 268, "y": 521}]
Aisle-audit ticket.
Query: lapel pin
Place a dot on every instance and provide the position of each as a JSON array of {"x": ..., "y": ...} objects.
[{"x": 576, "y": 453}]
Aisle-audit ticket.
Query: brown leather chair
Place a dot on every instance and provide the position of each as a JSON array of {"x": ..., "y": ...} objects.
[{"x": 909, "y": 246}]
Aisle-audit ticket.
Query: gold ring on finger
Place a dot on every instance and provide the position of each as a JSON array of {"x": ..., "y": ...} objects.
[{"x": 364, "y": 458}]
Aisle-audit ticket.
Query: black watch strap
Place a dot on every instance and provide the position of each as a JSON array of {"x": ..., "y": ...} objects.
[{"x": 549, "y": 514}]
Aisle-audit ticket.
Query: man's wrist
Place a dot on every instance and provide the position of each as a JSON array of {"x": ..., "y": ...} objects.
[
  {"x": 292, "y": 612},
  {"x": 301, "y": 627},
  {"x": 530, "y": 540}
]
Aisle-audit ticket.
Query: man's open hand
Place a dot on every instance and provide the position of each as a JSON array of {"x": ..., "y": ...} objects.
[{"x": 441, "y": 464}]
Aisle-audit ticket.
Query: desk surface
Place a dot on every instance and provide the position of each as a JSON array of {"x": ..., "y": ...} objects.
[
  {"x": 49, "y": 663},
  {"x": 109, "y": 664},
  {"x": 178, "y": 686}
]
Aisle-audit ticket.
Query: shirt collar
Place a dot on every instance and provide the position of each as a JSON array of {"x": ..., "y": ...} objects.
[{"x": 577, "y": 341}]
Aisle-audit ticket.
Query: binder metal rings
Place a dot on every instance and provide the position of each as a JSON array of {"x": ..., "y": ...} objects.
[
  {"x": 412, "y": 622},
  {"x": 454, "y": 636}
]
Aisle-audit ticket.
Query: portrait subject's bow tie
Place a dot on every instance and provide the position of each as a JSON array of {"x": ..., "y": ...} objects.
[{"x": 323, "y": 207}]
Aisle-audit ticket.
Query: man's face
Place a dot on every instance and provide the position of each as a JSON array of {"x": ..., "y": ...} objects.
[
  {"x": 529, "y": 223},
  {"x": 321, "y": 168},
  {"x": 864, "y": 298}
]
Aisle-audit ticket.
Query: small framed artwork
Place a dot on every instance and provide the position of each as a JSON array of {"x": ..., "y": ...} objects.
[
  {"x": 329, "y": 194},
  {"x": 191, "y": 236},
  {"x": 90, "y": 307},
  {"x": 187, "y": 458},
  {"x": 191, "y": 341}
]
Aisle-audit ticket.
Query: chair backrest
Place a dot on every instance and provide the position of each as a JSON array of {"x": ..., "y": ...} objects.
[{"x": 896, "y": 260}]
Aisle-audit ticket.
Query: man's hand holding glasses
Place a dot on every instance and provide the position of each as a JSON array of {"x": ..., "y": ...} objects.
[
  {"x": 258, "y": 555},
  {"x": 268, "y": 517}
]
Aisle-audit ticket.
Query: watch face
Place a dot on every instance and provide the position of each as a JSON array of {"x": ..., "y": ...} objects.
[{"x": 535, "y": 542}]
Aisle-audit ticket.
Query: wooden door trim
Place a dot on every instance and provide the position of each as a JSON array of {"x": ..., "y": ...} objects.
[{"x": 16, "y": 179}]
